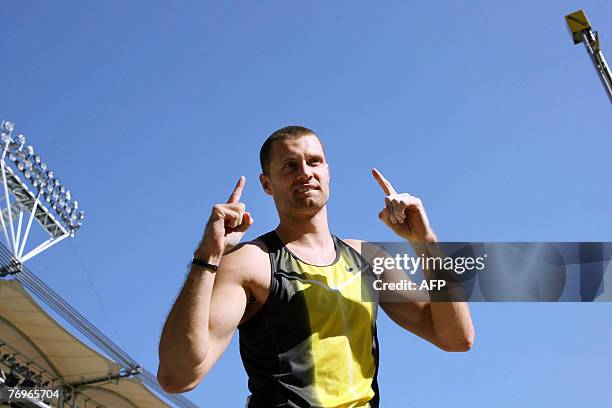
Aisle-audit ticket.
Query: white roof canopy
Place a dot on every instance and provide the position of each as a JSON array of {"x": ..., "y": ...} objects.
[{"x": 27, "y": 329}]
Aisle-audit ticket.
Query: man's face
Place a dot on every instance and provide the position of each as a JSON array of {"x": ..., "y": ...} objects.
[{"x": 299, "y": 177}]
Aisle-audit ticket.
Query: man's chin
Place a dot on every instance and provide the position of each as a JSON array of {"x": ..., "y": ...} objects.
[{"x": 309, "y": 204}]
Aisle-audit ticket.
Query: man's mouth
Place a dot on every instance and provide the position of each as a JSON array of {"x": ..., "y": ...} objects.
[{"x": 304, "y": 189}]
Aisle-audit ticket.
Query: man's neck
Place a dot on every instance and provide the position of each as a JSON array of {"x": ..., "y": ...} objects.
[{"x": 312, "y": 231}]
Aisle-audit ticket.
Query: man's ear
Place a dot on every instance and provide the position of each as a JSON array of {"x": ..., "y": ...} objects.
[{"x": 265, "y": 183}]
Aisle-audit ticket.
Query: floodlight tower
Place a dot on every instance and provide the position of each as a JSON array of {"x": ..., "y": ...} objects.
[
  {"x": 28, "y": 186},
  {"x": 581, "y": 32}
]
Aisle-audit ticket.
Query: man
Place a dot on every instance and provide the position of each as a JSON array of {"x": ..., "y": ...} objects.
[{"x": 307, "y": 337}]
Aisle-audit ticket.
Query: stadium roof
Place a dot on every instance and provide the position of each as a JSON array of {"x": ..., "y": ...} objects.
[{"x": 27, "y": 329}]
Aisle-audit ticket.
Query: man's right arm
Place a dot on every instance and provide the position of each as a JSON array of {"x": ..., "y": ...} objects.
[
  {"x": 211, "y": 304},
  {"x": 202, "y": 322}
]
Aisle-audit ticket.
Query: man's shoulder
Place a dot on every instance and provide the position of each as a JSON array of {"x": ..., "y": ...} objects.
[
  {"x": 354, "y": 243},
  {"x": 357, "y": 245},
  {"x": 247, "y": 256},
  {"x": 249, "y": 265},
  {"x": 245, "y": 250}
]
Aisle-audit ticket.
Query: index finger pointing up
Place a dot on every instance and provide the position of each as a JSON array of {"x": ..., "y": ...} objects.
[
  {"x": 235, "y": 197},
  {"x": 383, "y": 183}
]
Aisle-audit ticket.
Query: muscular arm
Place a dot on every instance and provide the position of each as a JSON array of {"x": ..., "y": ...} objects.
[
  {"x": 447, "y": 325},
  {"x": 202, "y": 322},
  {"x": 451, "y": 320},
  {"x": 211, "y": 304}
]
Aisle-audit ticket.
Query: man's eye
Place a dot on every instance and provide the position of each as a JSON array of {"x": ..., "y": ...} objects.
[
  {"x": 315, "y": 160},
  {"x": 289, "y": 165}
]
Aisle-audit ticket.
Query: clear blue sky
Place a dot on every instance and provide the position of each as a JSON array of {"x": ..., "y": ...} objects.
[{"x": 150, "y": 111}]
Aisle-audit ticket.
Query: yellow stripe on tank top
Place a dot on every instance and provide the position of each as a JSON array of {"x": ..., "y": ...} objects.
[{"x": 342, "y": 334}]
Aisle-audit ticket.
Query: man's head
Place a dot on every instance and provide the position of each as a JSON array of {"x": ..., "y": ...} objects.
[{"x": 294, "y": 170}]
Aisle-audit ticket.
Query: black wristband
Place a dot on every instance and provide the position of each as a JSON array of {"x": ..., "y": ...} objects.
[{"x": 203, "y": 264}]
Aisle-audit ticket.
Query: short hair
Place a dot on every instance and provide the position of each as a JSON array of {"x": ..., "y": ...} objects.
[{"x": 288, "y": 132}]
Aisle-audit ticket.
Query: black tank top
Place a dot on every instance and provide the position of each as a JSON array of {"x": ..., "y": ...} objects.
[{"x": 313, "y": 343}]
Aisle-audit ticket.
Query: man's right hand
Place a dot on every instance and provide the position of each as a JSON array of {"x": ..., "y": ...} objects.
[{"x": 227, "y": 224}]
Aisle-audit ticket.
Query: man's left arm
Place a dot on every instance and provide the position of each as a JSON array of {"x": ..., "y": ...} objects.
[
  {"x": 447, "y": 324},
  {"x": 450, "y": 318}
]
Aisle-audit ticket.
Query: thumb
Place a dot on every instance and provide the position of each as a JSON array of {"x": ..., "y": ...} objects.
[{"x": 247, "y": 221}]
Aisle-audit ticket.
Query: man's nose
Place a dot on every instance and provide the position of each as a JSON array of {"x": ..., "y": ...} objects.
[{"x": 304, "y": 171}]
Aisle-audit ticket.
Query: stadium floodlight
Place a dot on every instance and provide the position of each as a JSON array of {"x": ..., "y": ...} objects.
[
  {"x": 581, "y": 32},
  {"x": 29, "y": 186}
]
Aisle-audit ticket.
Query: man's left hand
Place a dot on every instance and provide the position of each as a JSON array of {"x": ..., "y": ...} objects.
[{"x": 404, "y": 213}]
